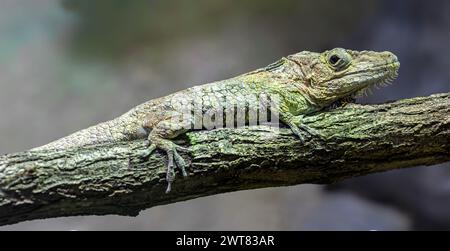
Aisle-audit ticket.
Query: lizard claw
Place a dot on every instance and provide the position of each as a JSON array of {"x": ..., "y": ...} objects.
[
  {"x": 174, "y": 159},
  {"x": 170, "y": 172}
]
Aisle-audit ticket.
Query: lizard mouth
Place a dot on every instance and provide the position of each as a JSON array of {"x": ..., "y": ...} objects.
[{"x": 380, "y": 76}]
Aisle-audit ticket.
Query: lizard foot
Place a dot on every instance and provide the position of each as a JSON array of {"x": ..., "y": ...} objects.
[
  {"x": 302, "y": 131},
  {"x": 174, "y": 159}
]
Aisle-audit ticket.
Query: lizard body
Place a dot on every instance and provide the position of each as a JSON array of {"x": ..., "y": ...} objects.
[{"x": 303, "y": 83}]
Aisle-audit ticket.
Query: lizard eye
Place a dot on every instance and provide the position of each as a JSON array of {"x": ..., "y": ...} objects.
[
  {"x": 334, "y": 59},
  {"x": 339, "y": 59}
]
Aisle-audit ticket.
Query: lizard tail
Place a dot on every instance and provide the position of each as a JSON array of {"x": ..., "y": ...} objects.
[{"x": 110, "y": 131}]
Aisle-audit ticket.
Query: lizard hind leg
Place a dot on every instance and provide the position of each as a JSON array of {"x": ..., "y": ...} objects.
[{"x": 159, "y": 138}]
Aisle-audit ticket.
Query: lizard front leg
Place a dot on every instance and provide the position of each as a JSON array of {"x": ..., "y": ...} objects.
[
  {"x": 298, "y": 127},
  {"x": 160, "y": 138}
]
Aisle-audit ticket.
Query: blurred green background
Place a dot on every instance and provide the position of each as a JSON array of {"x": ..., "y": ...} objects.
[{"x": 68, "y": 64}]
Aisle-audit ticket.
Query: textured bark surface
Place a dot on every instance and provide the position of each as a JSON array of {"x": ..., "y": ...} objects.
[{"x": 124, "y": 179}]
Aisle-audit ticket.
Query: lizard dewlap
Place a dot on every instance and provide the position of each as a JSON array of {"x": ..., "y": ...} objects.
[{"x": 292, "y": 88}]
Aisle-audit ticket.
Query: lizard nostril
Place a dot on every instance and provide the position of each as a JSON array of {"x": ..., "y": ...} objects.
[
  {"x": 391, "y": 56},
  {"x": 394, "y": 57}
]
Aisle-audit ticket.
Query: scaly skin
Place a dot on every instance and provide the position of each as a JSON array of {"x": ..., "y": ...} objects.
[{"x": 303, "y": 83}]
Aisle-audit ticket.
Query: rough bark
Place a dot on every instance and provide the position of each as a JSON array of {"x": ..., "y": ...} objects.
[{"x": 124, "y": 179}]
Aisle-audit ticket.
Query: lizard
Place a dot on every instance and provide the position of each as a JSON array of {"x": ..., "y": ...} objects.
[{"x": 304, "y": 83}]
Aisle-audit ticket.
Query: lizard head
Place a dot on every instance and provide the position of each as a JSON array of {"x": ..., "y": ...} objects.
[{"x": 340, "y": 73}]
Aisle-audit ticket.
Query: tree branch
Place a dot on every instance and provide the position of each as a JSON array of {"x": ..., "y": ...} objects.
[{"x": 124, "y": 178}]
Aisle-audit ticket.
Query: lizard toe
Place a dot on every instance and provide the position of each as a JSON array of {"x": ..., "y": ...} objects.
[
  {"x": 180, "y": 162},
  {"x": 182, "y": 149},
  {"x": 170, "y": 172},
  {"x": 296, "y": 130},
  {"x": 174, "y": 159},
  {"x": 310, "y": 132}
]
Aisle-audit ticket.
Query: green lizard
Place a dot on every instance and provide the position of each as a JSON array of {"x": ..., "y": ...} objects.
[{"x": 301, "y": 84}]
